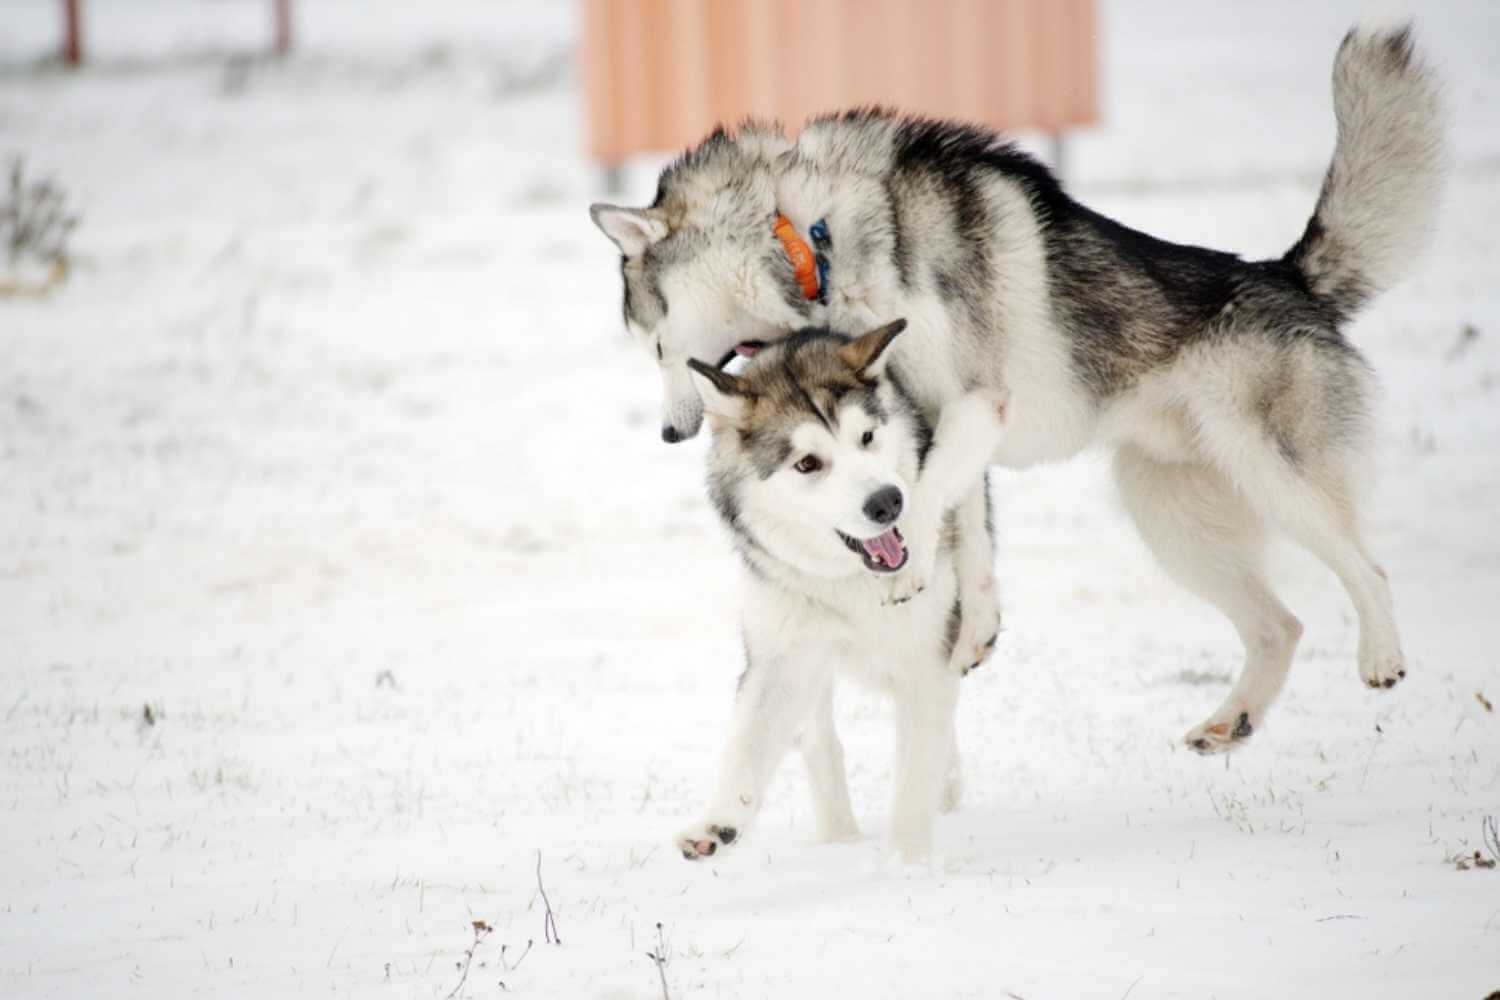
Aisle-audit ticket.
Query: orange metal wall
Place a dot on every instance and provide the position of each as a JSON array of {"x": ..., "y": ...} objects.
[{"x": 659, "y": 74}]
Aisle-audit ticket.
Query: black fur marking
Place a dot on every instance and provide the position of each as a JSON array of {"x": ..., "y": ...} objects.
[
  {"x": 1287, "y": 449},
  {"x": 739, "y": 684},
  {"x": 626, "y": 307},
  {"x": 1398, "y": 48},
  {"x": 1242, "y": 727},
  {"x": 989, "y": 515},
  {"x": 644, "y": 302},
  {"x": 900, "y": 252},
  {"x": 768, "y": 452},
  {"x": 1129, "y": 302},
  {"x": 1341, "y": 291},
  {"x": 922, "y": 429},
  {"x": 722, "y": 494},
  {"x": 717, "y": 143},
  {"x": 952, "y": 626},
  {"x": 956, "y": 159}
]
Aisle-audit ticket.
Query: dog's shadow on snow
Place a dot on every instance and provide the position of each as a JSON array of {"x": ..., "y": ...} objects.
[{"x": 991, "y": 844}]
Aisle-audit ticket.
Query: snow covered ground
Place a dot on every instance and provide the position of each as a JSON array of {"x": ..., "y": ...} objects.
[{"x": 333, "y": 454}]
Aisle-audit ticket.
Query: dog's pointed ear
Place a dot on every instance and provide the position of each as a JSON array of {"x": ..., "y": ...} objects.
[
  {"x": 724, "y": 395},
  {"x": 867, "y": 354},
  {"x": 632, "y": 229}
]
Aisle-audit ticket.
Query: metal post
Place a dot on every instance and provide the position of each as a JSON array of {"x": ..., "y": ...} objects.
[
  {"x": 282, "y": 13},
  {"x": 72, "y": 52},
  {"x": 614, "y": 180}
]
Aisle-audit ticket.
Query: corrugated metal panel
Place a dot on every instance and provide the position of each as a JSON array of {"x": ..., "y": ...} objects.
[{"x": 659, "y": 74}]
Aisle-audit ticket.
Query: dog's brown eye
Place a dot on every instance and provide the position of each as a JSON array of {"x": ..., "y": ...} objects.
[
  {"x": 867, "y": 439},
  {"x": 808, "y": 463}
]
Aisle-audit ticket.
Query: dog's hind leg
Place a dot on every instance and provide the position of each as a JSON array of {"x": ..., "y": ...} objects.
[
  {"x": 823, "y": 753},
  {"x": 1331, "y": 535},
  {"x": 1318, "y": 511},
  {"x": 1293, "y": 466},
  {"x": 1210, "y": 541}
]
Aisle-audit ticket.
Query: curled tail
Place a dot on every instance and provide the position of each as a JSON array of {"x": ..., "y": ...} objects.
[{"x": 1381, "y": 190}]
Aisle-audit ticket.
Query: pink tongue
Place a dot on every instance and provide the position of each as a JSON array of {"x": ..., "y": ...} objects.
[
  {"x": 885, "y": 548},
  {"x": 746, "y": 350}
]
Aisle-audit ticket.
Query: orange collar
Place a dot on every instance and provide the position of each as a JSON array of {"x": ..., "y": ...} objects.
[{"x": 804, "y": 261}]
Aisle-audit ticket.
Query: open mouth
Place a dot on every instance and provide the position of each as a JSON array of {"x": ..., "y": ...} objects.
[
  {"x": 885, "y": 553},
  {"x": 744, "y": 349}
]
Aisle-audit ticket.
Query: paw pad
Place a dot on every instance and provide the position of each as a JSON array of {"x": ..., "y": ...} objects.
[
  {"x": 705, "y": 842},
  {"x": 1242, "y": 727}
]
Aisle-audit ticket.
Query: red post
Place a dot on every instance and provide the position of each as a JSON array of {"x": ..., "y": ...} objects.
[
  {"x": 282, "y": 12},
  {"x": 72, "y": 52}
]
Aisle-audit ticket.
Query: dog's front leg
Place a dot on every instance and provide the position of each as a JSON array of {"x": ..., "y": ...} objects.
[
  {"x": 978, "y": 591},
  {"x": 968, "y": 432},
  {"x": 775, "y": 697},
  {"x": 925, "y": 707},
  {"x": 824, "y": 754}
]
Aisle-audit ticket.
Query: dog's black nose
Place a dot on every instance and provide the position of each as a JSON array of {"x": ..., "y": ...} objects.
[
  {"x": 669, "y": 434},
  {"x": 884, "y": 505}
]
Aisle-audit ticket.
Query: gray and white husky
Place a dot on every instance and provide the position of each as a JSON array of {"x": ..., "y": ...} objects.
[
  {"x": 836, "y": 491},
  {"x": 1227, "y": 387}
]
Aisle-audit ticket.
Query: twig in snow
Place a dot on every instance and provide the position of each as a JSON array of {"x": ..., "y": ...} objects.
[
  {"x": 659, "y": 957},
  {"x": 1374, "y": 745},
  {"x": 509, "y": 966},
  {"x": 1132, "y": 986},
  {"x": 549, "y": 922},
  {"x": 1468, "y": 335},
  {"x": 1477, "y": 861},
  {"x": 512, "y": 967},
  {"x": 481, "y": 931},
  {"x": 34, "y": 224}
]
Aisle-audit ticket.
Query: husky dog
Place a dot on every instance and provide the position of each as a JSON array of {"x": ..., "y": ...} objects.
[
  {"x": 830, "y": 481},
  {"x": 1233, "y": 399}
]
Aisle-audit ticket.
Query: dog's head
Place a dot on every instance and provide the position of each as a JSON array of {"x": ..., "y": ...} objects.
[
  {"x": 814, "y": 448},
  {"x": 703, "y": 269}
]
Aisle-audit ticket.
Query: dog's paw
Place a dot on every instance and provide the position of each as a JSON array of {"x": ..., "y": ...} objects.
[
  {"x": 906, "y": 584},
  {"x": 704, "y": 840},
  {"x": 979, "y": 653},
  {"x": 1221, "y": 732},
  {"x": 1382, "y": 668},
  {"x": 978, "y": 632}
]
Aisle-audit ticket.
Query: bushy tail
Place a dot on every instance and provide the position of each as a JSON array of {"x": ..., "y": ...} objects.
[{"x": 1381, "y": 190}]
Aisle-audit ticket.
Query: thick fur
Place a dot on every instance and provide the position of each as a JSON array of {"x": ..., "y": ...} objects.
[
  {"x": 1378, "y": 198},
  {"x": 1228, "y": 387},
  {"x": 812, "y": 608}
]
